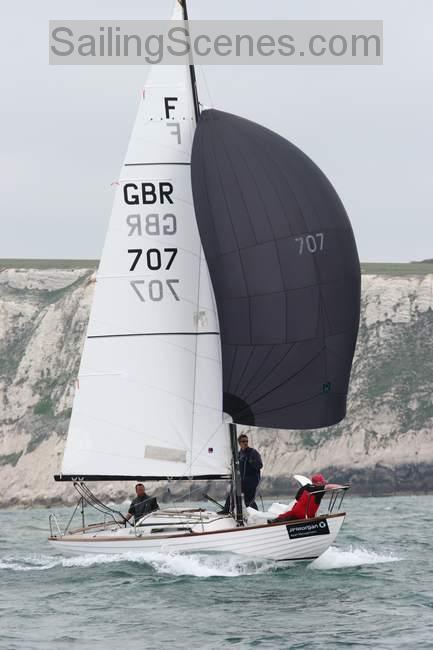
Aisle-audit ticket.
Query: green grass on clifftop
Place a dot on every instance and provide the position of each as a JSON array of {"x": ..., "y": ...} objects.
[
  {"x": 47, "y": 264},
  {"x": 396, "y": 268},
  {"x": 368, "y": 268}
]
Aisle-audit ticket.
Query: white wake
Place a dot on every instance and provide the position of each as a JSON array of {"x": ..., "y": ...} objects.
[
  {"x": 200, "y": 565},
  {"x": 338, "y": 558}
]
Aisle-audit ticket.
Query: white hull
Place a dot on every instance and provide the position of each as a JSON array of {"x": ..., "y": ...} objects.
[{"x": 270, "y": 542}]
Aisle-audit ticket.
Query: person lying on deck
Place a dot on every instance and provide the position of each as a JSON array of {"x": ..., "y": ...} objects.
[
  {"x": 308, "y": 499},
  {"x": 142, "y": 504}
]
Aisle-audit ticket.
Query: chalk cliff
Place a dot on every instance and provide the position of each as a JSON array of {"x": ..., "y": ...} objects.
[{"x": 384, "y": 445}]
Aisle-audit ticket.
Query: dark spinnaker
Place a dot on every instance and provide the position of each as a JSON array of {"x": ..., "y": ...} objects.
[{"x": 285, "y": 271}]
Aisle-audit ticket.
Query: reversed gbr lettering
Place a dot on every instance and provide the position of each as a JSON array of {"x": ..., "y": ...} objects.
[
  {"x": 155, "y": 290},
  {"x": 153, "y": 258},
  {"x": 147, "y": 193},
  {"x": 311, "y": 243},
  {"x": 151, "y": 224}
]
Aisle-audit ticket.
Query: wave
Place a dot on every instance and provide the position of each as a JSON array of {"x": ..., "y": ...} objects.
[
  {"x": 201, "y": 565},
  {"x": 206, "y": 565},
  {"x": 31, "y": 563},
  {"x": 338, "y": 558}
]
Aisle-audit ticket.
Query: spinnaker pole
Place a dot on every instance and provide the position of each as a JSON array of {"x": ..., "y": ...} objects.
[
  {"x": 191, "y": 68},
  {"x": 236, "y": 483}
]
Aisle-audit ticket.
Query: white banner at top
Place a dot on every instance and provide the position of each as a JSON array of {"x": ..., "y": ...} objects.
[{"x": 229, "y": 42}]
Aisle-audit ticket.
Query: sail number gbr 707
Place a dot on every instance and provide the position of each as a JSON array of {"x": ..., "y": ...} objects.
[
  {"x": 152, "y": 259},
  {"x": 154, "y": 289}
]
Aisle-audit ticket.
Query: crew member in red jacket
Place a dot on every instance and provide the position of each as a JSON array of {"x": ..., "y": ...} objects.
[{"x": 308, "y": 500}]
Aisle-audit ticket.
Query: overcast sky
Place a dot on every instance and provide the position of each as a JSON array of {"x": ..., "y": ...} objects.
[{"x": 64, "y": 130}]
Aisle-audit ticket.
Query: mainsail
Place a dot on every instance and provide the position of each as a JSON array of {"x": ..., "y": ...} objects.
[
  {"x": 149, "y": 397},
  {"x": 285, "y": 272}
]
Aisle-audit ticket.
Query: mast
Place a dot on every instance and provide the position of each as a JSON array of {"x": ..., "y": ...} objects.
[
  {"x": 236, "y": 478},
  {"x": 191, "y": 69},
  {"x": 236, "y": 484}
]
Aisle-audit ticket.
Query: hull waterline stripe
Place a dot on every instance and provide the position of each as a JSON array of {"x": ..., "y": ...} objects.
[
  {"x": 297, "y": 559},
  {"x": 240, "y": 529},
  {"x": 111, "y": 336},
  {"x": 187, "y": 164}
]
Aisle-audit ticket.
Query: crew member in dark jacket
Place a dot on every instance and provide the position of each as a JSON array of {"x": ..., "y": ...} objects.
[
  {"x": 250, "y": 464},
  {"x": 142, "y": 504}
]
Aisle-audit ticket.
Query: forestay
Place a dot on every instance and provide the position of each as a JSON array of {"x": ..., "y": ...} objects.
[{"x": 148, "y": 401}]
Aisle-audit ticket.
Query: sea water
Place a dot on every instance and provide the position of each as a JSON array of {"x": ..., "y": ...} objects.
[{"x": 372, "y": 589}]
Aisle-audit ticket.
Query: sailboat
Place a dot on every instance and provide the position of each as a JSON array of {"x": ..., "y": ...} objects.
[{"x": 227, "y": 294}]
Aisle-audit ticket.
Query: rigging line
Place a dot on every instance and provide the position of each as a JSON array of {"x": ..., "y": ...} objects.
[
  {"x": 320, "y": 326},
  {"x": 193, "y": 80},
  {"x": 291, "y": 290},
  {"x": 85, "y": 492},
  {"x": 276, "y": 248},
  {"x": 325, "y": 361},
  {"x": 263, "y": 379},
  {"x": 302, "y": 401},
  {"x": 139, "y": 382},
  {"x": 305, "y": 193},
  {"x": 325, "y": 310},
  {"x": 177, "y": 346},
  {"x": 242, "y": 374},
  {"x": 150, "y": 140},
  {"x": 324, "y": 321},
  {"x": 265, "y": 152},
  {"x": 155, "y": 163},
  {"x": 140, "y": 432},
  {"x": 257, "y": 186},
  {"x": 265, "y": 358},
  {"x": 239, "y": 185},
  {"x": 212, "y": 221},
  {"x": 203, "y": 76},
  {"x": 229, "y": 381},
  {"x": 221, "y": 424},
  {"x": 111, "y": 336},
  {"x": 235, "y": 237},
  {"x": 273, "y": 240},
  {"x": 288, "y": 379},
  {"x": 223, "y": 194},
  {"x": 264, "y": 171},
  {"x": 318, "y": 319},
  {"x": 310, "y": 338},
  {"x": 143, "y": 433},
  {"x": 194, "y": 391},
  {"x": 171, "y": 418},
  {"x": 193, "y": 87}
]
